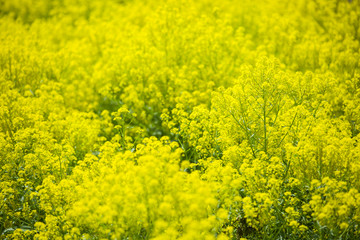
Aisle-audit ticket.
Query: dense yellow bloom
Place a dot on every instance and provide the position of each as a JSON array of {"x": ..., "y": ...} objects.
[{"x": 180, "y": 119}]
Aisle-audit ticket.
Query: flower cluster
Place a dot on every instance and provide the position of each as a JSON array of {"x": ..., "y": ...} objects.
[{"x": 179, "y": 119}]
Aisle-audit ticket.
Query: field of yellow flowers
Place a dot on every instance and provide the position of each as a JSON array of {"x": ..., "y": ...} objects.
[{"x": 179, "y": 119}]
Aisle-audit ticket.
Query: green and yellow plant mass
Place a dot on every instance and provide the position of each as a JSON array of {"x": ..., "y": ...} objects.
[{"x": 179, "y": 119}]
